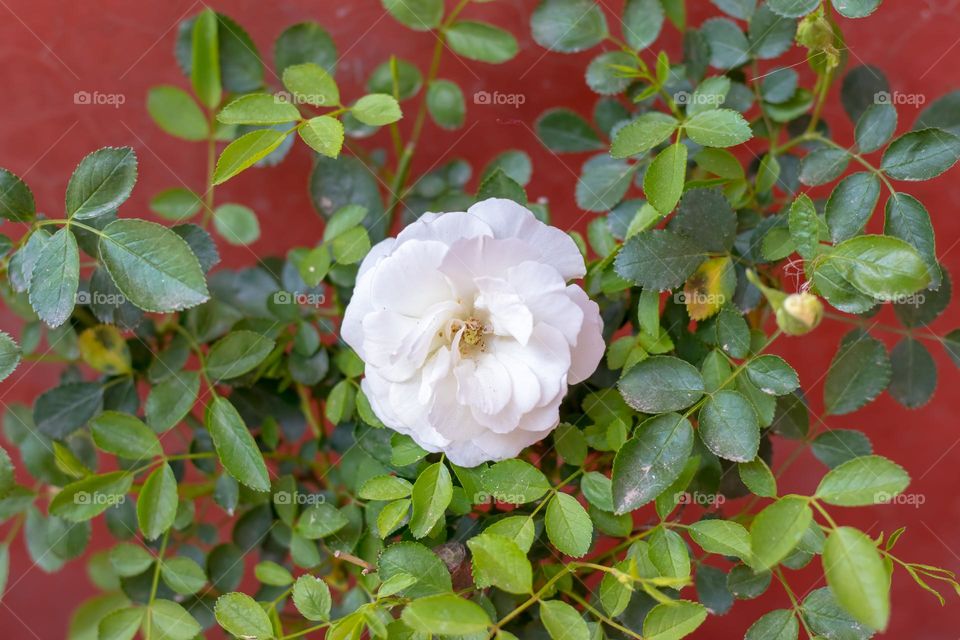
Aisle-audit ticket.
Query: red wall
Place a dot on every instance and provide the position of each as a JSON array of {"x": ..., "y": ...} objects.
[{"x": 50, "y": 49}]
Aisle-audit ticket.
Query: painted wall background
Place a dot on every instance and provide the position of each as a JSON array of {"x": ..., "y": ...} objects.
[{"x": 51, "y": 49}]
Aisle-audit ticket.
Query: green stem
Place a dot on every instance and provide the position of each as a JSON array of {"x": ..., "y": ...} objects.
[{"x": 156, "y": 582}]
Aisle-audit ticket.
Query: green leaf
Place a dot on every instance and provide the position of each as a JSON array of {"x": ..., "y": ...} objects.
[
  {"x": 237, "y": 353},
  {"x": 855, "y": 8},
  {"x": 658, "y": 259},
  {"x": 518, "y": 529},
  {"x": 481, "y": 41},
  {"x": 823, "y": 165},
  {"x": 562, "y": 621},
  {"x": 377, "y": 109},
  {"x": 446, "y": 104},
  {"x": 413, "y": 559},
  {"x": 311, "y": 597},
  {"x": 880, "y": 266},
  {"x": 907, "y": 219},
  {"x": 568, "y": 525},
  {"x": 178, "y": 114},
  {"x": 664, "y": 179},
  {"x": 564, "y": 131},
  {"x": 419, "y": 15},
  {"x": 860, "y": 370},
  {"x": 851, "y": 204},
  {"x": 205, "y": 62},
  {"x": 101, "y": 182},
  {"x": 722, "y": 537},
  {"x": 863, "y": 481},
  {"x": 921, "y": 155},
  {"x": 770, "y": 35},
  {"x": 176, "y": 204},
  {"x": 661, "y": 384},
  {"x": 385, "y": 487},
  {"x": 499, "y": 562},
  {"x": 780, "y": 624},
  {"x": 603, "y": 183},
  {"x": 273, "y": 574},
  {"x": 568, "y": 26},
  {"x": 651, "y": 461},
  {"x": 235, "y": 446},
  {"x": 259, "y": 109},
  {"x": 55, "y": 278},
  {"x": 718, "y": 128},
  {"x": 121, "y": 624},
  {"x": 246, "y": 150},
  {"x": 169, "y": 401},
  {"x": 875, "y": 127},
  {"x": 16, "y": 199},
  {"x": 321, "y": 520},
  {"x": 804, "y": 226},
  {"x": 152, "y": 266},
  {"x": 913, "y": 373},
  {"x": 729, "y": 426},
  {"x": 445, "y": 614},
  {"x": 642, "y": 22},
  {"x": 62, "y": 410},
  {"x": 672, "y": 621},
  {"x": 793, "y": 8},
  {"x": 643, "y": 134},
  {"x": 857, "y": 576},
  {"x": 128, "y": 559},
  {"x": 513, "y": 481},
  {"x": 91, "y": 496},
  {"x": 605, "y": 75},
  {"x": 124, "y": 435},
  {"x": 351, "y": 246},
  {"x": 835, "y": 447},
  {"x": 305, "y": 42},
  {"x": 499, "y": 185},
  {"x": 825, "y": 616},
  {"x": 183, "y": 575},
  {"x": 758, "y": 478},
  {"x": 171, "y": 621},
  {"x": 432, "y": 493},
  {"x": 777, "y": 530},
  {"x": 236, "y": 224},
  {"x": 241, "y": 616},
  {"x": 157, "y": 502},
  {"x": 728, "y": 45},
  {"x": 772, "y": 374}
]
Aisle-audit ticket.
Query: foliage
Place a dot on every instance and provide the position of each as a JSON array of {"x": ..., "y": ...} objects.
[{"x": 193, "y": 397}]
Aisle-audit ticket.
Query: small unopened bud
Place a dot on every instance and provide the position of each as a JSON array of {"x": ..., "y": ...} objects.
[{"x": 800, "y": 313}]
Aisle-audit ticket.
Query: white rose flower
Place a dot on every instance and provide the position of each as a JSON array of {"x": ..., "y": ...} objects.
[{"x": 470, "y": 332}]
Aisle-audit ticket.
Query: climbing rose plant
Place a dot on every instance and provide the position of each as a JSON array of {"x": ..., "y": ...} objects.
[{"x": 485, "y": 427}]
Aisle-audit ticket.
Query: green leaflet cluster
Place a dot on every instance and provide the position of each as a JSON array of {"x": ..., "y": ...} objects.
[{"x": 217, "y": 425}]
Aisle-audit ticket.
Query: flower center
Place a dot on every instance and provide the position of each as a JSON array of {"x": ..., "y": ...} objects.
[{"x": 471, "y": 331}]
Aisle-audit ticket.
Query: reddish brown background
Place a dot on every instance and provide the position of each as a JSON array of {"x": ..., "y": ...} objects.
[{"x": 50, "y": 49}]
